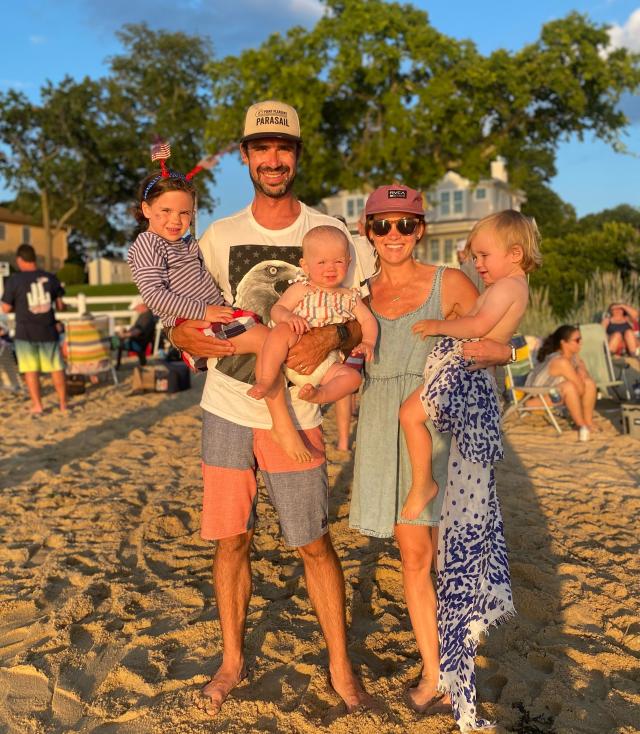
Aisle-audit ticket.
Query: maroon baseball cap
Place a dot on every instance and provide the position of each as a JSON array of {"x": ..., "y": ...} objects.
[{"x": 395, "y": 198}]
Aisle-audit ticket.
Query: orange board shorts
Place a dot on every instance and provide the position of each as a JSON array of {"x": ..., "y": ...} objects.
[{"x": 231, "y": 455}]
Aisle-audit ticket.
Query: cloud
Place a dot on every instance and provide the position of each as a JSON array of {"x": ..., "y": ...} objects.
[
  {"x": 15, "y": 84},
  {"x": 627, "y": 35},
  {"x": 37, "y": 40},
  {"x": 232, "y": 26}
]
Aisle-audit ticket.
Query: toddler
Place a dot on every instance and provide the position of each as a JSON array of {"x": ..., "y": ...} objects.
[
  {"x": 317, "y": 300},
  {"x": 170, "y": 274},
  {"x": 504, "y": 248}
]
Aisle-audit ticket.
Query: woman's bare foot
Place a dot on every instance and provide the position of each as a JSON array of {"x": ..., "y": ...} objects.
[
  {"x": 289, "y": 439},
  {"x": 310, "y": 393},
  {"x": 219, "y": 687},
  {"x": 350, "y": 690},
  {"x": 424, "y": 698},
  {"x": 258, "y": 391},
  {"x": 418, "y": 498}
]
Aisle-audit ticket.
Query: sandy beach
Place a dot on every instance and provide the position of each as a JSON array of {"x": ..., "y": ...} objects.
[{"x": 108, "y": 625}]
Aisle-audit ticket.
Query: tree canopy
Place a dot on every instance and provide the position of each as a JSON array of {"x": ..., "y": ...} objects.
[{"x": 382, "y": 95}]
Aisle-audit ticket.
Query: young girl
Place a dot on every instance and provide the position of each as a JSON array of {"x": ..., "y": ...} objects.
[
  {"x": 318, "y": 300},
  {"x": 169, "y": 272},
  {"x": 504, "y": 247}
]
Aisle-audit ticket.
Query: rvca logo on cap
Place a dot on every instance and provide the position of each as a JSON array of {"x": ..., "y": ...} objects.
[{"x": 397, "y": 194}]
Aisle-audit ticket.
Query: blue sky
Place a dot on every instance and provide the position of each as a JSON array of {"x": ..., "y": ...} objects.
[{"x": 47, "y": 40}]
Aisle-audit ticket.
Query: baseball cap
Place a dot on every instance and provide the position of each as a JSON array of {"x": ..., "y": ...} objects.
[
  {"x": 395, "y": 198},
  {"x": 137, "y": 301},
  {"x": 271, "y": 119}
]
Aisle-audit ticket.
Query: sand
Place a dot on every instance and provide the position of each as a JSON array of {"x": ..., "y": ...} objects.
[{"x": 107, "y": 622}]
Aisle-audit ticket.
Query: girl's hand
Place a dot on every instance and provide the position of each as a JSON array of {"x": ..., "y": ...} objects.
[
  {"x": 219, "y": 314},
  {"x": 364, "y": 348},
  {"x": 427, "y": 327},
  {"x": 297, "y": 324}
]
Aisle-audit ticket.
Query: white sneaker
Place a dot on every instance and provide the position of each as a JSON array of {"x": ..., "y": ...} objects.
[{"x": 584, "y": 434}]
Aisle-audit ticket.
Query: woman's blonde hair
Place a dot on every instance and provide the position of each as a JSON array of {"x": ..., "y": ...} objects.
[{"x": 512, "y": 229}]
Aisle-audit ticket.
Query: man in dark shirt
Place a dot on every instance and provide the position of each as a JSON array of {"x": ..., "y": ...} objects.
[{"x": 32, "y": 294}]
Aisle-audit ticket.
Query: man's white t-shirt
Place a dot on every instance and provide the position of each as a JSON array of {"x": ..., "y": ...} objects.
[{"x": 253, "y": 266}]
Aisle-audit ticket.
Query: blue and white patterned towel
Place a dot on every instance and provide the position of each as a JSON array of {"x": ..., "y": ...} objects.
[{"x": 474, "y": 586}]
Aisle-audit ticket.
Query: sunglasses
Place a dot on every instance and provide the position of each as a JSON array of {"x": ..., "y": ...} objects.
[{"x": 405, "y": 226}]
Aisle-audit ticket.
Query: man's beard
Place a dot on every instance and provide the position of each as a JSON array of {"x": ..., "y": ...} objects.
[{"x": 274, "y": 192}]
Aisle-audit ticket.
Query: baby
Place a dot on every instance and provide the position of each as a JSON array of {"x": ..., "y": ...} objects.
[
  {"x": 317, "y": 300},
  {"x": 504, "y": 248}
]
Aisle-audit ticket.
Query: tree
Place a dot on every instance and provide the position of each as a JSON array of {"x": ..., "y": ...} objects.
[
  {"x": 382, "y": 95},
  {"x": 54, "y": 150},
  {"x": 570, "y": 260},
  {"x": 76, "y": 157}
]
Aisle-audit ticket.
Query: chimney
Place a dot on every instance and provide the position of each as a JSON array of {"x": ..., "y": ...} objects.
[{"x": 499, "y": 169}]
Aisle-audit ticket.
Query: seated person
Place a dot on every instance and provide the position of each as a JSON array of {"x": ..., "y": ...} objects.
[
  {"x": 140, "y": 335},
  {"x": 560, "y": 366},
  {"x": 619, "y": 322}
]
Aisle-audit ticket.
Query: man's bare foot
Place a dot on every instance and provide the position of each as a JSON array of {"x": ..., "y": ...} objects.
[
  {"x": 258, "y": 391},
  {"x": 424, "y": 698},
  {"x": 289, "y": 439},
  {"x": 350, "y": 690},
  {"x": 217, "y": 690},
  {"x": 418, "y": 498},
  {"x": 310, "y": 393}
]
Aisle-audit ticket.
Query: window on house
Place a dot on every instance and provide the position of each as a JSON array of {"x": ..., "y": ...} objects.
[
  {"x": 481, "y": 193},
  {"x": 351, "y": 211},
  {"x": 3, "y": 232},
  {"x": 26, "y": 236},
  {"x": 458, "y": 202},
  {"x": 434, "y": 251},
  {"x": 445, "y": 206},
  {"x": 448, "y": 251},
  {"x": 360, "y": 205}
]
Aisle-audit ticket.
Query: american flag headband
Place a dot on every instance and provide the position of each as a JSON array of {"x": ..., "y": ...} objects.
[{"x": 161, "y": 150}]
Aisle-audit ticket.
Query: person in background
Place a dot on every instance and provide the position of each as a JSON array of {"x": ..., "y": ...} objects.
[
  {"x": 33, "y": 294},
  {"x": 619, "y": 322},
  {"x": 465, "y": 263},
  {"x": 137, "y": 337},
  {"x": 559, "y": 365}
]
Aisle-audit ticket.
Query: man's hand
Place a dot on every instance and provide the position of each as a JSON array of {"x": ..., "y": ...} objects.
[
  {"x": 485, "y": 353},
  {"x": 188, "y": 338},
  {"x": 314, "y": 346}
]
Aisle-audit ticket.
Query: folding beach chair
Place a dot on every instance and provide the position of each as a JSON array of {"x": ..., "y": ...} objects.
[
  {"x": 595, "y": 353},
  {"x": 88, "y": 347},
  {"x": 9, "y": 375},
  {"x": 520, "y": 394}
]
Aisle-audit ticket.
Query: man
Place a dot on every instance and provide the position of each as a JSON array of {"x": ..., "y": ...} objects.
[
  {"x": 253, "y": 255},
  {"x": 140, "y": 335},
  {"x": 32, "y": 293}
]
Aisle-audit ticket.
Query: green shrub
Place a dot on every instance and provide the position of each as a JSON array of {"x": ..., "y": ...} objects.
[{"x": 71, "y": 274}]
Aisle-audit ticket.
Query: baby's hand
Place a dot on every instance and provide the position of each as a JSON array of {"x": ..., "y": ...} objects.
[
  {"x": 365, "y": 348},
  {"x": 219, "y": 314},
  {"x": 296, "y": 323},
  {"x": 428, "y": 327}
]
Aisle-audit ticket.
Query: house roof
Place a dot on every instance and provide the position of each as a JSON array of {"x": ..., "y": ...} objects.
[{"x": 11, "y": 217}]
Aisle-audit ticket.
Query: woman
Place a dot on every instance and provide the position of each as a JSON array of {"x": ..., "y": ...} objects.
[
  {"x": 619, "y": 323},
  {"x": 560, "y": 366},
  {"x": 404, "y": 291}
]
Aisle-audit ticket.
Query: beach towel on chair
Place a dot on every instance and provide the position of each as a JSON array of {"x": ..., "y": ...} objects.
[{"x": 474, "y": 586}]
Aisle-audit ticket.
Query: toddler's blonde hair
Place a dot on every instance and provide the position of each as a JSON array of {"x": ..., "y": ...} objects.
[{"x": 512, "y": 228}]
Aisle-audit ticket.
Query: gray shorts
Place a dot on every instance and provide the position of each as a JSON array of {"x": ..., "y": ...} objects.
[{"x": 231, "y": 455}]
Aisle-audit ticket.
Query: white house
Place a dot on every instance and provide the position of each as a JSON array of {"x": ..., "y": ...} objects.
[
  {"x": 453, "y": 206},
  {"x": 107, "y": 270}
]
